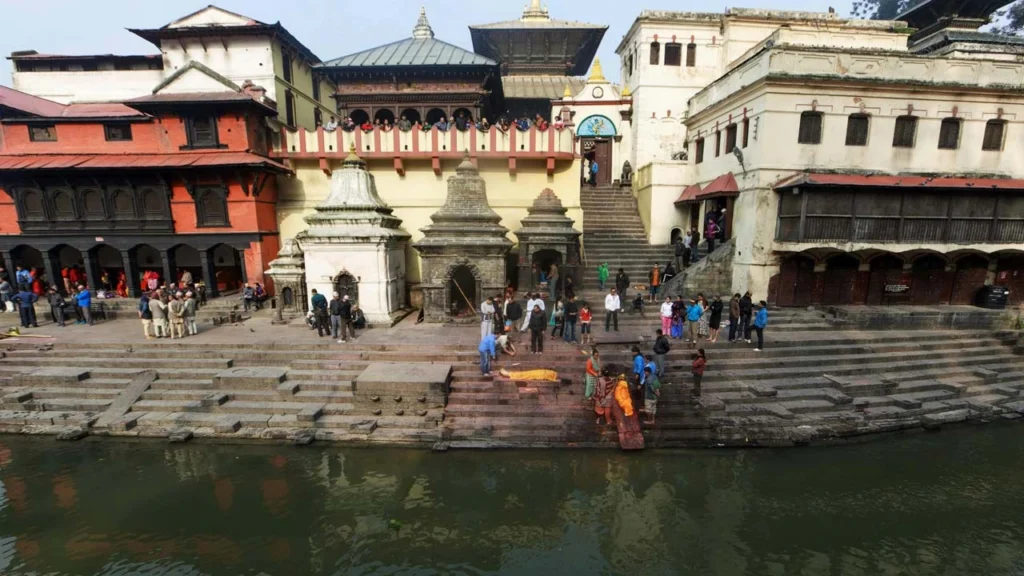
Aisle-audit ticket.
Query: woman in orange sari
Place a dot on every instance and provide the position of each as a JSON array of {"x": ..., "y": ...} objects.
[{"x": 122, "y": 285}]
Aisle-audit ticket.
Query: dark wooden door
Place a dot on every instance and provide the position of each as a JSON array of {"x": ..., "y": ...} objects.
[
  {"x": 839, "y": 285},
  {"x": 1011, "y": 275},
  {"x": 603, "y": 155},
  {"x": 796, "y": 282}
]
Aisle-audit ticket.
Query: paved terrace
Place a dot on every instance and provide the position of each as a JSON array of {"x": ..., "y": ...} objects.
[{"x": 255, "y": 381}]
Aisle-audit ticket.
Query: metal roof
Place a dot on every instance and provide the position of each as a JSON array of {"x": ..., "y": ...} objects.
[
  {"x": 33, "y": 106},
  {"x": 689, "y": 194},
  {"x": 544, "y": 87},
  {"x": 411, "y": 52},
  {"x": 537, "y": 24},
  {"x": 931, "y": 182},
  {"x": 136, "y": 161},
  {"x": 724, "y": 185}
]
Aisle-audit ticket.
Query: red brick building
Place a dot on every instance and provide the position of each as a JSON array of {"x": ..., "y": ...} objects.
[{"x": 173, "y": 181}]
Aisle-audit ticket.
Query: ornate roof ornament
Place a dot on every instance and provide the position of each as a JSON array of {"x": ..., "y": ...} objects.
[
  {"x": 423, "y": 31},
  {"x": 535, "y": 12}
]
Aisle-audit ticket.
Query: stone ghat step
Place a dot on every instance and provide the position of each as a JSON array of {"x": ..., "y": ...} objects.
[
  {"x": 861, "y": 366},
  {"x": 47, "y": 418},
  {"x": 232, "y": 422},
  {"x": 111, "y": 362},
  {"x": 844, "y": 356}
]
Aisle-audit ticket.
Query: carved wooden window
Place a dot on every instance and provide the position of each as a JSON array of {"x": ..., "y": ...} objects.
[
  {"x": 905, "y": 132},
  {"x": 730, "y": 137},
  {"x": 201, "y": 131},
  {"x": 949, "y": 134},
  {"x": 700, "y": 150},
  {"x": 673, "y": 54},
  {"x": 655, "y": 53},
  {"x": 92, "y": 202},
  {"x": 47, "y": 133},
  {"x": 691, "y": 55},
  {"x": 286, "y": 67},
  {"x": 718, "y": 143},
  {"x": 33, "y": 204},
  {"x": 857, "y": 130},
  {"x": 64, "y": 205},
  {"x": 124, "y": 204},
  {"x": 211, "y": 206},
  {"x": 994, "y": 130},
  {"x": 810, "y": 128},
  {"x": 152, "y": 202},
  {"x": 746, "y": 131},
  {"x": 289, "y": 108}
]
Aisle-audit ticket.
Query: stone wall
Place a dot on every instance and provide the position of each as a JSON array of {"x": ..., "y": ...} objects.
[{"x": 710, "y": 276}]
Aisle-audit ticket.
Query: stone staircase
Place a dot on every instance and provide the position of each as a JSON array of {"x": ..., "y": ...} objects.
[
  {"x": 614, "y": 233},
  {"x": 813, "y": 382}
]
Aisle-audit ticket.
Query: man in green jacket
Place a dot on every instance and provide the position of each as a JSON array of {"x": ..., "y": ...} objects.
[{"x": 602, "y": 274}]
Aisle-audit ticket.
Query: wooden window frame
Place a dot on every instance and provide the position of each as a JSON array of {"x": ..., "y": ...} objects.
[
  {"x": 202, "y": 218},
  {"x": 718, "y": 143},
  {"x": 33, "y": 136},
  {"x": 655, "y": 59},
  {"x": 673, "y": 54},
  {"x": 286, "y": 67},
  {"x": 289, "y": 108},
  {"x": 699, "y": 152},
  {"x": 111, "y": 137},
  {"x": 730, "y": 137},
  {"x": 943, "y": 136},
  {"x": 988, "y": 146},
  {"x": 691, "y": 55},
  {"x": 193, "y": 137},
  {"x": 806, "y": 134},
  {"x": 850, "y": 125},
  {"x": 746, "y": 132},
  {"x": 902, "y": 120}
]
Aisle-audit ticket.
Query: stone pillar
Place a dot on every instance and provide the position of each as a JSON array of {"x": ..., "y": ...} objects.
[
  {"x": 131, "y": 273},
  {"x": 208, "y": 274},
  {"x": 240, "y": 257},
  {"x": 8, "y": 261},
  {"x": 170, "y": 267},
  {"x": 52, "y": 269},
  {"x": 91, "y": 275}
]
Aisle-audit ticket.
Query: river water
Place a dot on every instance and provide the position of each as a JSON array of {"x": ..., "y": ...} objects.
[{"x": 950, "y": 503}]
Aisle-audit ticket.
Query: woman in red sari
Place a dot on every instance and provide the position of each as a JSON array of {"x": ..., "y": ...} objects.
[{"x": 122, "y": 285}]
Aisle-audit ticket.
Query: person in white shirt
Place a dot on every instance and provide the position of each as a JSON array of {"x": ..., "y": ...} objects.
[
  {"x": 612, "y": 305},
  {"x": 332, "y": 125},
  {"x": 486, "y": 318},
  {"x": 535, "y": 300},
  {"x": 666, "y": 316}
]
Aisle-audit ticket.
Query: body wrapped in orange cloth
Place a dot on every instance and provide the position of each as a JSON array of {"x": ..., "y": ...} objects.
[{"x": 549, "y": 375}]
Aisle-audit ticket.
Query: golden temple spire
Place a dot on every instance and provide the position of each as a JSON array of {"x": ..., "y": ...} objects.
[
  {"x": 567, "y": 94},
  {"x": 596, "y": 74},
  {"x": 535, "y": 12}
]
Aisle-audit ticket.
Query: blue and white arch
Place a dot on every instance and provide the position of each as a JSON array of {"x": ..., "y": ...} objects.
[{"x": 596, "y": 126}]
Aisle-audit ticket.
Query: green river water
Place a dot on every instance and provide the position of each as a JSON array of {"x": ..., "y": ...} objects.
[{"x": 950, "y": 503}]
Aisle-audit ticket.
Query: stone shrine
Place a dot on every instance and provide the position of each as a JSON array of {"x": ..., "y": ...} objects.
[
  {"x": 354, "y": 245},
  {"x": 547, "y": 237},
  {"x": 464, "y": 251},
  {"x": 289, "y": 274}
]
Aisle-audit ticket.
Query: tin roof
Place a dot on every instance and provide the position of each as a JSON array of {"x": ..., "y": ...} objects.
[
  {"x": 689, "y": 194},
  {"x": 724, "y": 185},
  {"x": 33, "y": 106},
  {"x": 136, "y": 161},
  {"x": 883, "y": 180}
]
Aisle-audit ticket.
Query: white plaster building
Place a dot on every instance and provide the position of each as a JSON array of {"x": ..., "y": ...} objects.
[{"x": 235, "y": 46}]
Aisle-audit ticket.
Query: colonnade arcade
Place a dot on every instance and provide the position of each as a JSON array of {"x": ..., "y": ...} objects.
[{"x": 219, "y": 263}]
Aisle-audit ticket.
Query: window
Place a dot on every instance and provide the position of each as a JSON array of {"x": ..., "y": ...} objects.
[
  {"x": 318, "y": 117},
  {"x": 718, "y": 144},
  {"x": 993, "y": 135},
  {"x": 201, "y": 131},
  {"x": 730, "y": 137},
  {"x": 906, "y": 130},
  {"x": 655, "y": 53},
  {"x": 949, "y": 134},
  {"x": 211, "y": 206},
  {"x": 316, "y": 89},
  {"x": 629, "y": 65},
  {"x": 810, "y": 128},
  {"x": 286, "y": 67},
  {"x": 857, "y": 130},
  {"x": 47, "y": 133},
  {"x": 700, "y": 150},
  {"x": 746, "y": 131},
  {"x": 691, "y": 55},
  {"x": 673, "y": 54},
  {"x": 117, "y": 132},
  {"x": 289, "y": 108}
]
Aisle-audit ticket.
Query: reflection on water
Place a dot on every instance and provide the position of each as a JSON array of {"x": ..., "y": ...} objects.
[{"x": 942, "y": 504}]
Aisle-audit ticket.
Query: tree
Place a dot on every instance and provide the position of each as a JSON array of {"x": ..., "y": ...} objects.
[{"x": 1009, "y": 20}]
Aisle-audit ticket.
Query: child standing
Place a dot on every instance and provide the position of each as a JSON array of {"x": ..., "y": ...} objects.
[{"x": 585, "y": 336}]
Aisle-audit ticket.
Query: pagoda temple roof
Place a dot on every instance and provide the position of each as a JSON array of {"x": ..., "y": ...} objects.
[
  {"x": 422, "y": 49},
  {"x": 538, "y": 44}
]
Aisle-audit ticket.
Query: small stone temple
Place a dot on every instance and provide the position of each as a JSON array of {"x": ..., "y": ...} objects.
[
  {"x": 353, "y": 245},
  {"x": 289, "y": 274},
  {"x": 464, "y": 251},
  {"x": 547, "y": 237}
]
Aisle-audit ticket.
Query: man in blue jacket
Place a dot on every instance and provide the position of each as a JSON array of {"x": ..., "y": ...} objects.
[
  {"x": 693, "y": 313},
  {"x": 760, "y": 321},
  {"x": 84, "y": 298},
  {"x": 487, "y": 353},
  {"x": 26, "y": 300}
]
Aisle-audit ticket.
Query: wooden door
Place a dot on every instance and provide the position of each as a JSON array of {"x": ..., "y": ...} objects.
[
  {"x": 796, "y": 282},
  {"x": 603, "y": 155},
  {"x": 1011, "y": 274},
  {"x": 840, "y": 280},
  {"x": 969, "y": 278}
]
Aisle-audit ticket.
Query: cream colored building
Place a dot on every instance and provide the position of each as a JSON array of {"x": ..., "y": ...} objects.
[
  {"x": 235, "y": 46},
  {"x": 411, "y": 171},
  {"x": 666, "y": 57},
  {"x": 865, "y": 172}
]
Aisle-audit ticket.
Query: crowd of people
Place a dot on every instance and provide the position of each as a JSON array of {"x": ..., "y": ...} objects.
[
  {"x": 337, "y": 319},
  {"x": 462, "y": 122}
]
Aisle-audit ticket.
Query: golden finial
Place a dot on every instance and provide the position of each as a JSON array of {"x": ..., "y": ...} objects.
[
  {"x": 626, "y": 92},
  {"x": 596, "y": 74},
  {"x": 352, "y": 153},
  {"x": 567, "y": 94}
]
